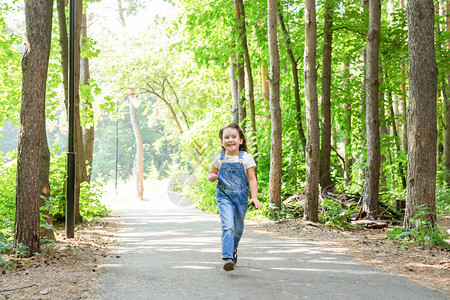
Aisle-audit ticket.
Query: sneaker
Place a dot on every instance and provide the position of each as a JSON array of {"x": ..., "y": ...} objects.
[
  {"x": 229, "y": 265},
  {"x": 234, "y": 259}
]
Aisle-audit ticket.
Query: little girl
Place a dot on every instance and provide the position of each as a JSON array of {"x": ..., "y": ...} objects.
[{"x": 234, "y": 169}]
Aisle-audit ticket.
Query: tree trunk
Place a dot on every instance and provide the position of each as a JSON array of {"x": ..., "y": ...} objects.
[
  {"x": 275, "y": 109},
  {"x": 88, "y": 133},
  {"x": 63, "y": 41},
  {"x": 240, "y": 70},
  {"x": 294, "y": 67},
  {"x": 121, "y": 17},
  {"x": 447, "y": 111},
  {"x": 80, "y": 165},
  {"x": 265, "y": 91},
  {"x": 348, "y": 126},
  {"x": 44, "y": 174},
  {"x": 404, "y": 100},
  {"x": 372, "y": 172},
  {"x": 38, "y": 19},
  {"x": 234, "y": 92},
  {"x": 248, "y": 66},
  {"x": 384, "y": 130},
  {"x": 397, "y": 140},
  {"x": 325, "y": 152},
  {"x": 139, "y": 160},
  {"x": 312, "y": 114},
  {"x": 422, "y": 111}
]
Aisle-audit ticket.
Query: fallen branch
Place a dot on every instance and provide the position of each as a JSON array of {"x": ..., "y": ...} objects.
[{"x": 19, "y": 288}]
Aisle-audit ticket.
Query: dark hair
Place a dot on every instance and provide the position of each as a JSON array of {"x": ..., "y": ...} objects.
[{"x": 243, "y": 146}]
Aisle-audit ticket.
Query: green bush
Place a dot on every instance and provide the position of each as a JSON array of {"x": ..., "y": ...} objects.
[
  {"x": 332, "y": 214},
  {"x": 90, "y": 206},
  {"x": 422, "y": 234},
  {"x": 8, "y": 168}
]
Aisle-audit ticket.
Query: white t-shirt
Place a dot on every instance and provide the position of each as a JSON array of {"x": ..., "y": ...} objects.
[{"x": 247, "y": 160}]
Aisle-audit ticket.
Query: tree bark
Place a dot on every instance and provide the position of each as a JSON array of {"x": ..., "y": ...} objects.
[
  {"x": 38, "y": 19},
  {"x": 372, "y": 172},
  {"x": 234, "y": 92},
  {"x": 63, "y": 41},
  {"x": 275, "y": 109},
  {"x": 325, "y": 152},
  {"x": 312, "y": 114},
  {"x": 248, "y": 66},
  {"x": 265, "y": 91},
  {"x": 447, "y": 111},
  {"x": 121, "y": 17},
  {"x": 384, "y": 130},
  {"x": 348, "y": 126},
  {"x": 88, "y": 132},
  {"x": 404, "y": 100},
  {"x": 139, "y": 160},
  {"x": 422, "y": 111},
  {"x": 293, "y": 61},
  {"x": 44, "y": 175}
]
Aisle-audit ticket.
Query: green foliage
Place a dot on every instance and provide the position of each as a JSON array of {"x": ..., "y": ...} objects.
[
  {"x": 204, "y": 192},
  {"x": 8, "y": 168},
  {"x": 10, "y": 72},
  {"x": 442, "y": 193},
  {"x": 422, "y": 233},
  {"x": 91, "y": 207},
  {"x": 334, "y": 215}
]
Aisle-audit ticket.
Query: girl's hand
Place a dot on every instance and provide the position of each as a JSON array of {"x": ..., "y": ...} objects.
[
  {"x": 212, "y": 177},
  {"x": 256, "y": 202}
]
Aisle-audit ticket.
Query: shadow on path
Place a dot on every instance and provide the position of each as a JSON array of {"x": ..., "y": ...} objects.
[{"x": 174, "y": 253}]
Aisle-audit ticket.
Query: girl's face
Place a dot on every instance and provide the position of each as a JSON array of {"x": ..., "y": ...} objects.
[{"x": 231, "y": 141}]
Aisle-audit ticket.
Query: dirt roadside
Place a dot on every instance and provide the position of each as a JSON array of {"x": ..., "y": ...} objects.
[{"x": 70, "y": 269}]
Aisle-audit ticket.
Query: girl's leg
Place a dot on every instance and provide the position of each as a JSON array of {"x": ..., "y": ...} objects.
[
  {"x": 239, "y": 216},
  {"x": 226, "y": 213}
]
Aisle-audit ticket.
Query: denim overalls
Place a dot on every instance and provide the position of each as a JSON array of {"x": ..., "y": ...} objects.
[{"x": 232, "y": 199}]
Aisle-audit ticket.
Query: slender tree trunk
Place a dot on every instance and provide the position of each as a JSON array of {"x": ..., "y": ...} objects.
[
  {"x": 38, "y": 19},
  {"x": 240, "y": 69},
  {"x": 384, "y": 129},
  {"x": 121, "y": 17},
  {"x": 404, "y": 100},
  {"x": 248, "y": 66},
  {"x": 372, "y": 173},
  {"x": 422, "y": 111},
  {"x": 312, "y": 114},
  {"x": 401, "y": 168},
  {"x": 80, "y": 166},
  {"x": 234, "y": 92},
  {"x": 63, "y": 40},
  {"x": 325, "y": 152},
  {"x": 287, "y": 39},
  {"x": 447, "y": 110},
  {"x": 362, "y": 107},
  {"x": 348, "y": 126},
  {"x": 88, "y": 134},
  {"x": 139, "y": 160},
  {"x": 44, "y": 174},
  {"x": 265, "y": 91},
  {"x": 275, "y": 109}
]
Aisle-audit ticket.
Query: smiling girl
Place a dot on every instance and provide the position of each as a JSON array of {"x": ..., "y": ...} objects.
[{"x": 234, "y": 169}]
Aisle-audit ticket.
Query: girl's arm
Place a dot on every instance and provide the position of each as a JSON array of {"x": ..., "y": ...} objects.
[
  {"x": 212, "y": 176},
  {"x": 253, "y": 184}
]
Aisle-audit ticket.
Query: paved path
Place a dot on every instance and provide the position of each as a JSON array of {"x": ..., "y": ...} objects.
[{"x": 168, "y": 252}]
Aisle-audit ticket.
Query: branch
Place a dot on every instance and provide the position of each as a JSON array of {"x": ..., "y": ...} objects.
[{"x": 19, "y": 288}]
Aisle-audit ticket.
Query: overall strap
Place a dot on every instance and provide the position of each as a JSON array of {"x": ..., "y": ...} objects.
[
  {"x": 221, "y": 158},
  {"x": 241, "y": 156}
]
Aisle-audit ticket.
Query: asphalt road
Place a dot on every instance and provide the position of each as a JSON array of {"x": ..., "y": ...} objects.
[{"x": 169, "y": 252}]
